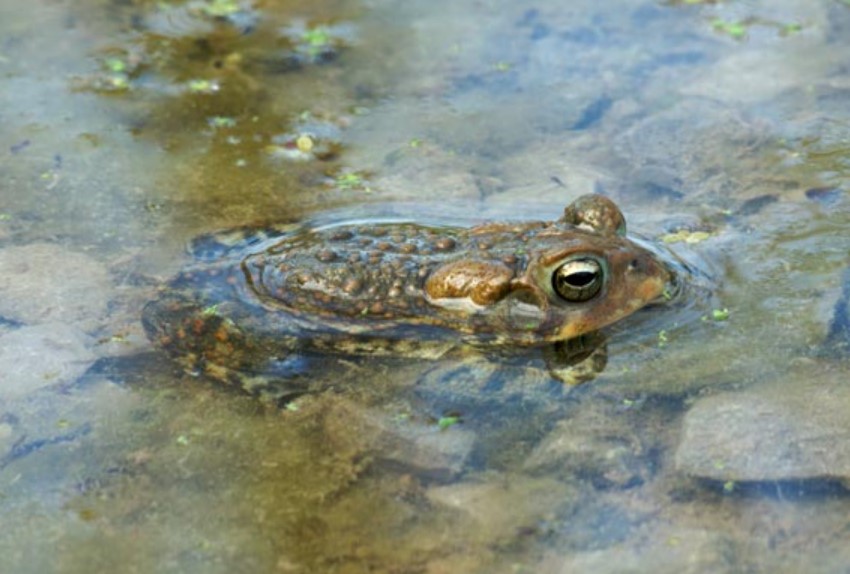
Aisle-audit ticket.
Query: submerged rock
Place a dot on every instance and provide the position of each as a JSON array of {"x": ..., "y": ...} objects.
[
  {"x": 42, "y": 356},
  {"x": 43, "y": 282},
  {"x": 599, "y": 442},
  {"x": 794, "y": 429},
  {"x": 673, "y": 551},
  {"x": 416, "y": 446},
  {"x": 501, "y": 507},
  {"x": 49, "y": 426}
]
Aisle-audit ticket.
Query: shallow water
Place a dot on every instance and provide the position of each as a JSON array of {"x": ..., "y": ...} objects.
[{"x": 128, "y": 128}]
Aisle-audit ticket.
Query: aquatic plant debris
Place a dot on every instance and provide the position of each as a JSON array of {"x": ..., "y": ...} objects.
[
  {"x": 317, "y": 43},
  {"x": 317, "y": 37},
  {"x": 221, "y": 122},
  {"x": 310, "y": 138},
  {"x": 200, "y": 86},
  {"x": 685, "y": 236},
  {"x": 448, "y": 421},
  {"x": 720, "y": 314},
  {"x": 220, "y": 8},
  {"x": 737, "y": 30},
  {"x": 351, "y": 180},
  {"x": 304, "y": 143},
  {"x": 115, "y": 65},
  {"x": 211, "y": 310}
]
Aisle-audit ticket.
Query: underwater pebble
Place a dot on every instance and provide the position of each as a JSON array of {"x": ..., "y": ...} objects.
[
  {"x": 42, "y": 356},
  {"x": 44, "y": 282},
  {"x": 790, "y": 430}
]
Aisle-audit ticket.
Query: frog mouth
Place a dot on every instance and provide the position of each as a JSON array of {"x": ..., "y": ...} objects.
[
  {"x": 523, "y": 293},
  {"x": 690, "y": 281},
  {"x": 672, "y": 291},
  {"x": 687, "y": 294}
]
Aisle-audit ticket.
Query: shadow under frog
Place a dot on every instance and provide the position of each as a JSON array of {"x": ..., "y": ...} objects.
[{"x": 243, "y": 311}]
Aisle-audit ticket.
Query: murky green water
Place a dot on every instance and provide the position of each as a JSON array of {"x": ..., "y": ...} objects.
[{"x": 716, "y": 444}]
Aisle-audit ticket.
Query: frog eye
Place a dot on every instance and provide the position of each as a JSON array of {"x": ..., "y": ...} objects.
[{"x": 578, "y": 280}]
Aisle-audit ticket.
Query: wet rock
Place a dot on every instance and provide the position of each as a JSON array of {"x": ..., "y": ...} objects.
[
  {"x": 482, "y": 389},
  {"x": 661, "y": 154},
  {"x": 41, "y": 356},
  {"x": 501, "y": 507},
  {"x": 597, "y": 443},
  {"x": 43, "y": 282},
  {"x": 541, "y": 179},
  {"x": 673, "y": 551},
  {"x": 427, "y": 172},
  {"x": 792, "y": 429},
  {"x": 423, "y": 448},
  {"x": 40, "y": 432},
  {"x": 759, "y": 75}
]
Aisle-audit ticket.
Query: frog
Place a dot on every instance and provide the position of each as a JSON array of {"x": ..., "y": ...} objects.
[{"x": 244, "y": 309}]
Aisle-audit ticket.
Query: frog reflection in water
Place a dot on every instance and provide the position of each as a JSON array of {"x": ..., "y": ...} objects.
[{"x": 404, "y": 289}]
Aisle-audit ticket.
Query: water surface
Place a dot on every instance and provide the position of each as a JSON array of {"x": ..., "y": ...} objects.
[{"x": 127, "y": 128}]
